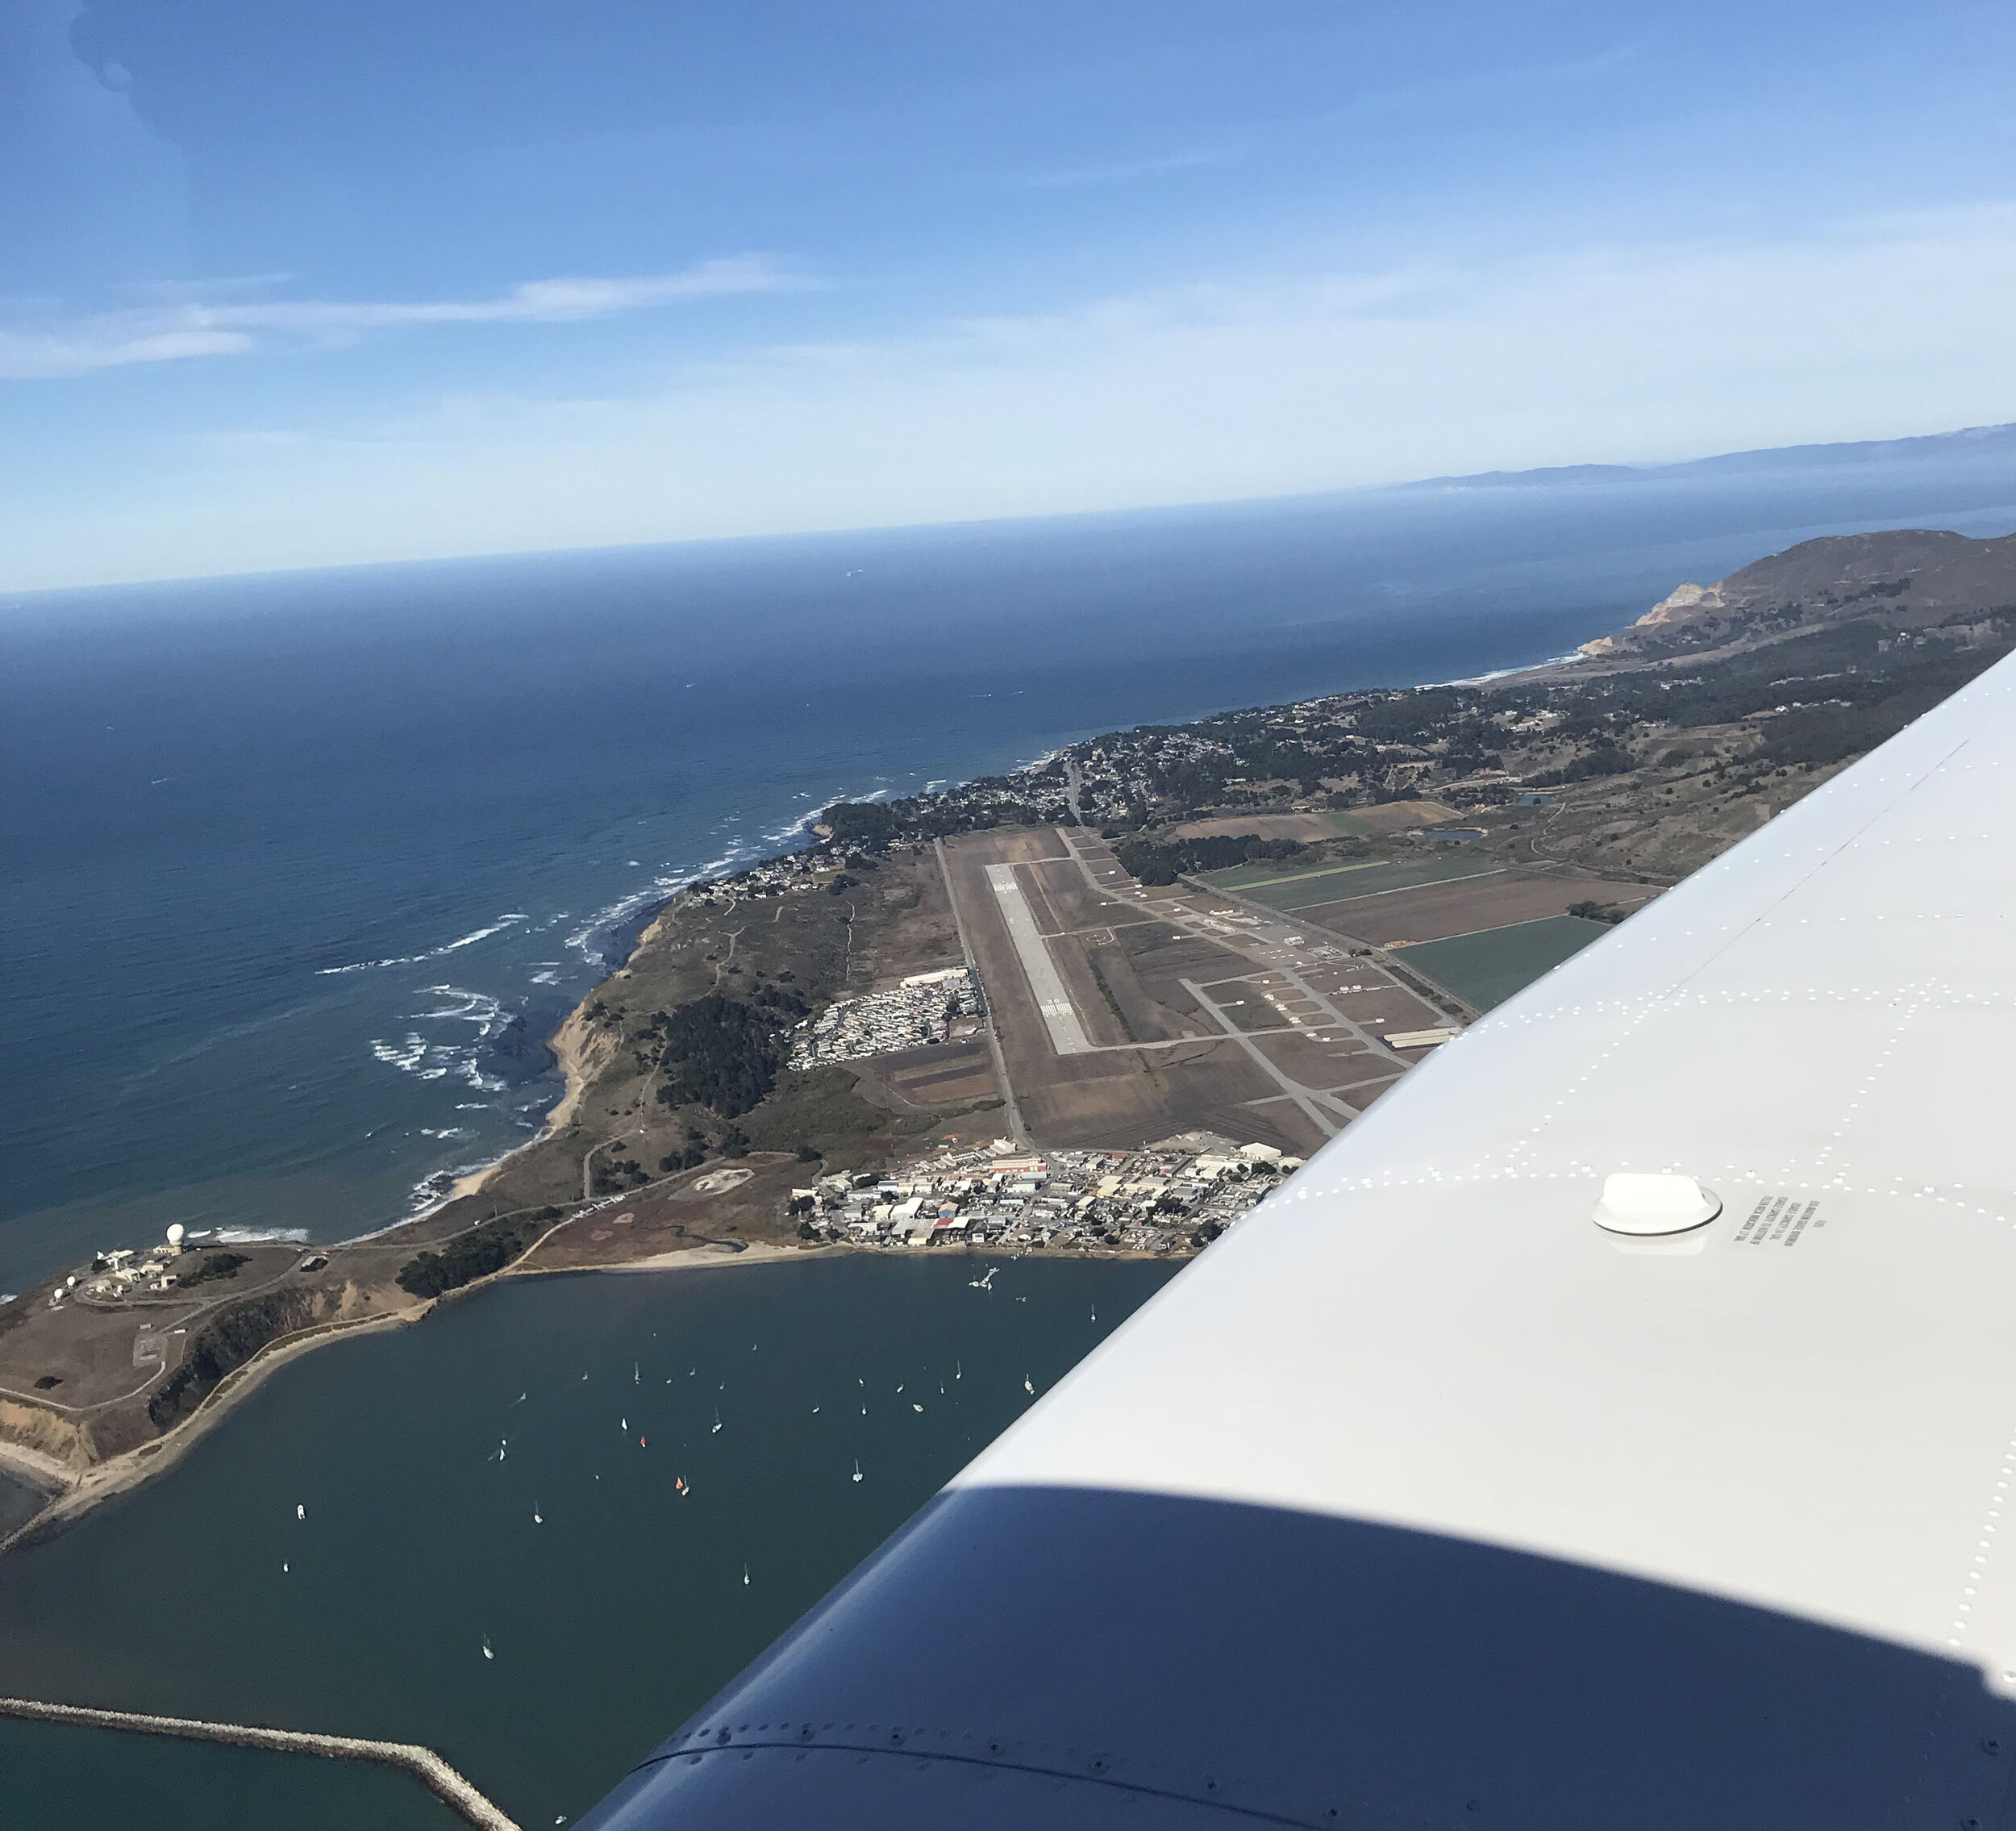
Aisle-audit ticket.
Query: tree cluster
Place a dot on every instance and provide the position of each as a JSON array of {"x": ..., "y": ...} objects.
[
  {"x": 721, "y": 1053},
  {"x": 214, "y": 1265},
  {"x": 488, "y": 1246},
  {"x": 1159, "y": 861}
]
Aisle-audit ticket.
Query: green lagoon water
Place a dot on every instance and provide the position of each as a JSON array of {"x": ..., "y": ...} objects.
[{"x": 611, "y": 1617}]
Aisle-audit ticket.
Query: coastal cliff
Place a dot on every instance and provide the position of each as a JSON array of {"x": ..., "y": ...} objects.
[{"x": 1918, "y": 578}]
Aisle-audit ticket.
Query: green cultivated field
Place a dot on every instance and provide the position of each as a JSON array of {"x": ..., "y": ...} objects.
[
  {"x": 1304, "y": 889},
  {"x": 1487, "y": 968}
]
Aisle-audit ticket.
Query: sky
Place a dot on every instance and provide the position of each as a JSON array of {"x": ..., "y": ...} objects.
[{"x": 343, "y": 281}]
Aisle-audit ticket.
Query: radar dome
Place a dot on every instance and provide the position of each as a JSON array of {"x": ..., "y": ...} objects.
[{"x": 175, "y": 1234}]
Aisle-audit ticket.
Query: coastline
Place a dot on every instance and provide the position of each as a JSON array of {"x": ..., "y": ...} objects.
[
  {"x": 73, "y": 1495},
  {"x": 580, "y": 1052},
  {"x": 575, "y": 1054},
  {"x": 584, "y": 1050},
  {"x": 130, "y": 1468}
]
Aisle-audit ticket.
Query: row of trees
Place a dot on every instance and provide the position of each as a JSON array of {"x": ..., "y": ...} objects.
[{"x": 1159, "y": 861}]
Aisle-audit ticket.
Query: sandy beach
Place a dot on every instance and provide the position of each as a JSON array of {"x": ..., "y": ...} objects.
[{"x": 581, "y": 1053}]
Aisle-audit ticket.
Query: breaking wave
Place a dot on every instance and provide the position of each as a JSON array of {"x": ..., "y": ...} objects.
[
  {"x": 496, "y": 927},
  {"x": 430, "y": 1061}
]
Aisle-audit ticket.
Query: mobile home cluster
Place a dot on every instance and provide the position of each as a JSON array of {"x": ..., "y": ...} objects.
[{"x": 926, "y": 1008}]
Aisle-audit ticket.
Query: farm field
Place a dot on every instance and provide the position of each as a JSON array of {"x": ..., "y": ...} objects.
[
  {"x": 1463, "y": 906},
  {"x": 1309, "y": 885},
  {"x": 1485, "y": 969}
]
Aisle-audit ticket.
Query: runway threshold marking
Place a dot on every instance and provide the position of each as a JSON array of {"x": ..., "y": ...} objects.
[{"x": 1046, "y": 984}]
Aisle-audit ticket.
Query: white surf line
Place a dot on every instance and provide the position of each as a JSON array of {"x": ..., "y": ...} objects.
[{"x": 1059, "y": 1016}]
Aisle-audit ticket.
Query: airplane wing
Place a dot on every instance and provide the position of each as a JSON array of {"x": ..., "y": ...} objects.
[{"x": 1614, "y": 1428}]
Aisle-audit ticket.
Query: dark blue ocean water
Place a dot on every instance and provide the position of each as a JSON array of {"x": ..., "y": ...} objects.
[{"x": 300, "y": 870}]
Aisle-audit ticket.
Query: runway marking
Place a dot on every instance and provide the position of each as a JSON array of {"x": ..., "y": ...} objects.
[{"x": 1046, "y": 984}]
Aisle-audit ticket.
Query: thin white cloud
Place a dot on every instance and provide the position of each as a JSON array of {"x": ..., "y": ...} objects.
[
  {"x": 1125, "y": 171},
  {"x": 175, "y": 330},
  {"x": 1251, "y": 385}
]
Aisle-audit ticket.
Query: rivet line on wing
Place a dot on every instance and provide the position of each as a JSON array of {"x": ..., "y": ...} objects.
[{"x": 1983, "y": 1544}]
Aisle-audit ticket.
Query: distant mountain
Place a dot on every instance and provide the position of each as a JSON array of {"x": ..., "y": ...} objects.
[
  {"x": 1983, "y": 444},
  {"x": 1919, "y": 579}
]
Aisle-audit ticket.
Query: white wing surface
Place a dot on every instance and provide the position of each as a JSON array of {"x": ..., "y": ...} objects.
[
  {"x": 1809, "y": 1403},
  {"x": 1615, "y": 1427}
]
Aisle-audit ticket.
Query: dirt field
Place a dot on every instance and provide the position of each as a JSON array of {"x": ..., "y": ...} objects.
[
  {"x": 926, "y": 1080},
  {"x": 1400, "y": 816},
  {"x": 1315, "y": 885},
  {"x": 735, "y": 1203},
  {"x": 1434, "y": 912},
  {"x": 1307, "y": 827}
]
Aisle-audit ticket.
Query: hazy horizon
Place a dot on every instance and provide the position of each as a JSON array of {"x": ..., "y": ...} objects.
[
  {"x": 1543, "y": 477},
  {"x": 300, "y": 287}
]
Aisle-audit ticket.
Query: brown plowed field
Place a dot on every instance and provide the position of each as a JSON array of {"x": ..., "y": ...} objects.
[{"x": 1434, "y": 912}]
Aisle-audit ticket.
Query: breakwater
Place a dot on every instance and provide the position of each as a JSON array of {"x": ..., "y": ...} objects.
[{"x": 423, "y": 1764}]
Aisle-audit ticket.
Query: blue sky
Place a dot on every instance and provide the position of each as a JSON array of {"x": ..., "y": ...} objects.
[{"x": 351, "y": 279}]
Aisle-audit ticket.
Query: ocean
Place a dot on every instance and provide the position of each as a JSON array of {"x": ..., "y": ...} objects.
[{"x": 300, "y": 870}]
